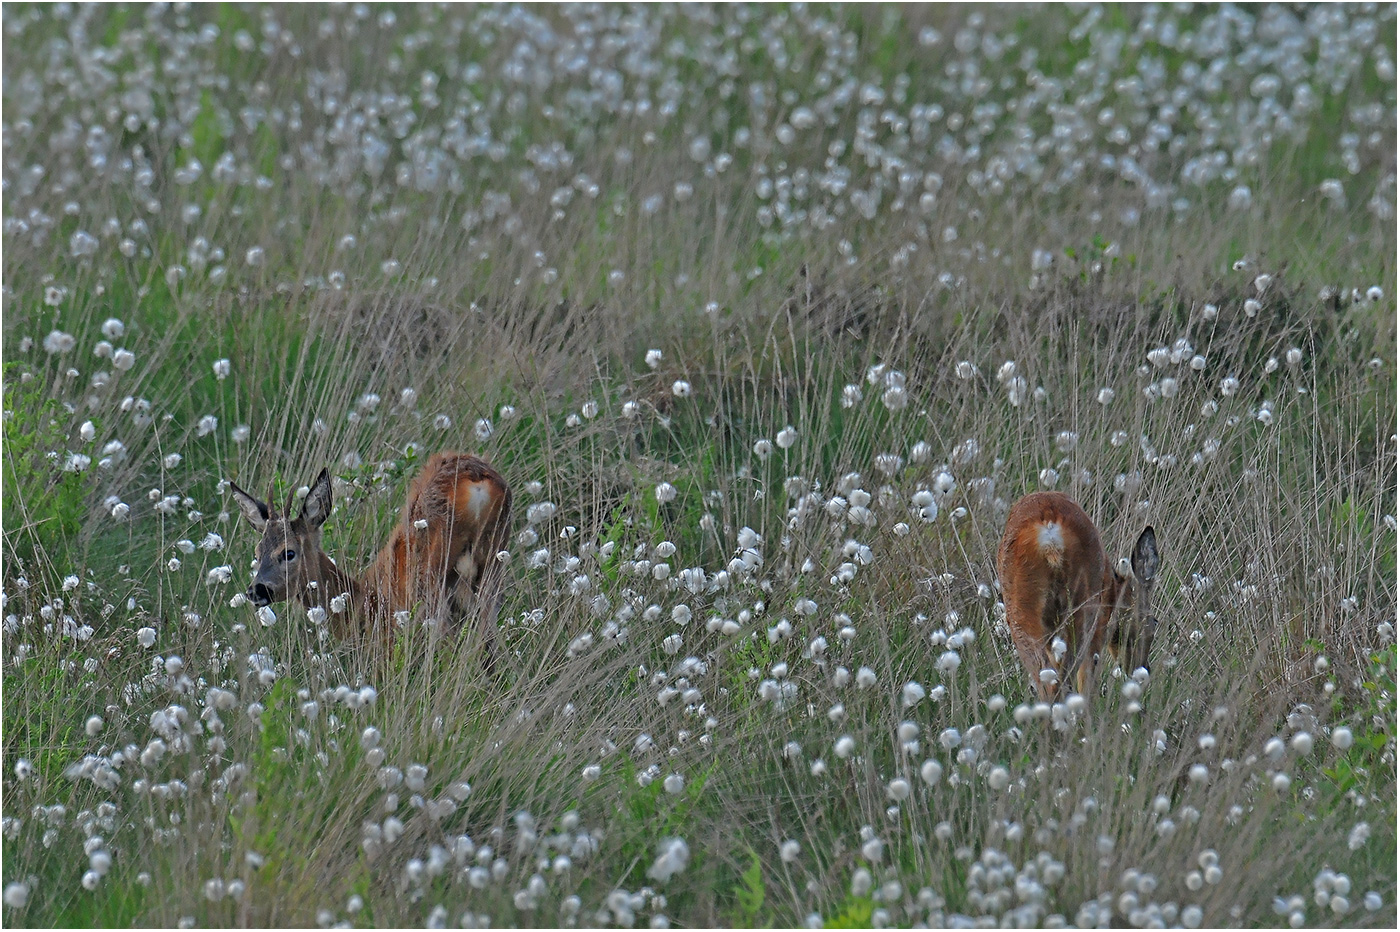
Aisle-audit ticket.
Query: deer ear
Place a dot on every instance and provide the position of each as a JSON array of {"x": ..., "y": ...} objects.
[
  {"x": 317, "y": 506},
  {"x": 1145, "y": 559},
  {"x": 257, "y": 513}
]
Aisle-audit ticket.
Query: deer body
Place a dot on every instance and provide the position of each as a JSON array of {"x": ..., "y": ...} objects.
[
  {"x": 1057, "y": 582},
  {"x": 440, "y": 557}
]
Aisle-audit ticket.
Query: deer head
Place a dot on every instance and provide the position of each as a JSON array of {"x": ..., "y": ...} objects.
[{"x": 289, "y": 554}]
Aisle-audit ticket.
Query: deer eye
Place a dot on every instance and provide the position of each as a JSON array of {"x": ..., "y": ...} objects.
[{"x": 288, "y": 556}]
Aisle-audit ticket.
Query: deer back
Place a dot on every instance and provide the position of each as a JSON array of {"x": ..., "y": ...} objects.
[{"x": 454, "y": 521}]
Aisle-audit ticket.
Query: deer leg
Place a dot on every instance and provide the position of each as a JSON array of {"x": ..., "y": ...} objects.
[
  {"x": 1033, "y": 645},
  {"x": 1057, "y": 620},
  {"x": 490, "y": 594},
  {"x": 1076, "y": 670},
  {"x": 1081, "y": 668},
  {"x": 475, "y": 596}
]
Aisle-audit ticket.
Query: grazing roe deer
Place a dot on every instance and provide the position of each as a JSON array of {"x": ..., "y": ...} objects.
[
  {"x": 441, "y": 556},
  {"x": 1056, "y": 581}
]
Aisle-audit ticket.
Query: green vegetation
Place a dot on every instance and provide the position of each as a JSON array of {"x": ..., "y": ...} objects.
[{"x": 767, "y": 314}]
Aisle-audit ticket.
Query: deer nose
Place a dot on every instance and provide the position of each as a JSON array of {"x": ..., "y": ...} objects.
[{"x": 259, "y": 595}]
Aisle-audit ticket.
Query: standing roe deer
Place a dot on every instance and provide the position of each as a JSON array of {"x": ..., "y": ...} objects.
[
  {"x": 1057, "y": 582},
  {"x": 441, "y": 555}
]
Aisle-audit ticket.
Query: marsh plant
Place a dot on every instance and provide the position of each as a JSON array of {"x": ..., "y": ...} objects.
[{"x": 766, "y": 314}]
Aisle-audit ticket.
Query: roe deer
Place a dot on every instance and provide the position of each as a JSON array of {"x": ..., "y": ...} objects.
[
  {"x": 1056, "y": 581},
  {"x": 441, "y": 556}
]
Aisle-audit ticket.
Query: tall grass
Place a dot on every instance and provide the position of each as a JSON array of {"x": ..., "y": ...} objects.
[{"x": 171, "y": 760}]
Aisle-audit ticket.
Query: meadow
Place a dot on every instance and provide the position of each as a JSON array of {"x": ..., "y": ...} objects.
[{"x": 768, "y": 314}]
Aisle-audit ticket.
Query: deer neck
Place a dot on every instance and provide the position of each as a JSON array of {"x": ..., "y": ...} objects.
[
  {"x": 1112, "y": 612},
  {"x": 329, "y": 581}
]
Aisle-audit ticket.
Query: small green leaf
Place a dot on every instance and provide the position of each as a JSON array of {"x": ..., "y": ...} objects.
[{"x": 750, "y": 892}]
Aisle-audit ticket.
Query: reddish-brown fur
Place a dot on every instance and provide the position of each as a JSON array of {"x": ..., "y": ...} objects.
[
  {"x": 447, "y": 569},
  {"x": 1070, "y": 593},
  {"x": 417, "y": 566}
]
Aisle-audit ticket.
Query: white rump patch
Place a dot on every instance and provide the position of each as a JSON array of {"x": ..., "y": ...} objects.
[
  {"x": 1050, "y": 539},
  {"x": 479, "y": 499}
]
